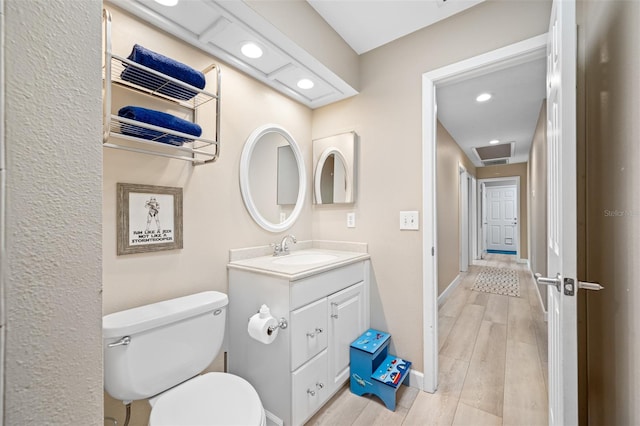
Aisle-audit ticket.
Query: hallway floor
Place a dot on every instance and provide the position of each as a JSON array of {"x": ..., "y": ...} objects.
[{"x": 492, "y": 364}]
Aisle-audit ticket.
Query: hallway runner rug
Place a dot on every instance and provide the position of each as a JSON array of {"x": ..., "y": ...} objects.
[{"x": 502, "y": 281}]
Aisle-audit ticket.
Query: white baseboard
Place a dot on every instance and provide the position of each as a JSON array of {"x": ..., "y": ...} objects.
[
  {"x": 447, "y": 291},
  {"x": 272, "y": 419},
  {"x": 416, "y": 379}
]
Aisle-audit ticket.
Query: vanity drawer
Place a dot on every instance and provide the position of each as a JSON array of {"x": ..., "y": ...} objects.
[
  {"x": 308, "y": 332},
  {"x": 309, "y": 388},
  {"x": 314, "y": 287}
]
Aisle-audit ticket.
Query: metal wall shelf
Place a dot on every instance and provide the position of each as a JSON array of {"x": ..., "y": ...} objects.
[{"x": 130, "y": 135}]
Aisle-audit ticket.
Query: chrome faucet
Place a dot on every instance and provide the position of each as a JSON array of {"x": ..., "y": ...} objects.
[{"x": 282, "y": 249}]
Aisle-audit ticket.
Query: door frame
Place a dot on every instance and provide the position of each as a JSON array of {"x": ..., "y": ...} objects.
[
  {"x": 464, "y": 217},
  {"x": 513, "y": 54},
  {"x": 508, "y": 179}
]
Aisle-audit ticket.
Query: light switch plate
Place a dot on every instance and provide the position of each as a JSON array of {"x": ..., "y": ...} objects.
[
  {"x": 351, "y": 220},
  {"x": 409, "y": 220}
]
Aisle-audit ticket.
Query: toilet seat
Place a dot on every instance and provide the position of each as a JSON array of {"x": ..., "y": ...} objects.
[{"x": 208, "y": 400}]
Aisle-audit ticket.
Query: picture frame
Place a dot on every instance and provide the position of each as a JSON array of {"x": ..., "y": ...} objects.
[{"x": 149, "y": 218}]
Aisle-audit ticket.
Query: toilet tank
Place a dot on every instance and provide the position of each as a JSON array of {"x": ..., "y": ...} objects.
[{"x": 169, "y": 342}]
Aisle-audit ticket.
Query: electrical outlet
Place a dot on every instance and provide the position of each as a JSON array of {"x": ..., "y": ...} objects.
[
  {"x": 409, "y": 220},
  {"x": 351, "y": 220}
]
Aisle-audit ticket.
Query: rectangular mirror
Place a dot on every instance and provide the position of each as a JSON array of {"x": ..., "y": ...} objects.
[{"x": 334, "y": 179}]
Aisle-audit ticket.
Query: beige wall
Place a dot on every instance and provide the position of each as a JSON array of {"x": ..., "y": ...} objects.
[
  {"x": 387, "y": 116},
  {"x": 611, "y": 30},
  {"x": 508, "y": 170},
  {"x": 448, "y": 158},
  {"x": 51, "y": 248},
  {"x": 537, "y": 174},
  {"x": 215, "y": 218}
]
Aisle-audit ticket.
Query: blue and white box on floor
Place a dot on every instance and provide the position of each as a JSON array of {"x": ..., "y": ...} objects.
[{"x": 373, "y": 370}]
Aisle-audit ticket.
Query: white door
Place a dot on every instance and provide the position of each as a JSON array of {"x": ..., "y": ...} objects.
[
  {"x": 502, "y": 220},
  {"x": 347, "y": 321},
  {"x": 561, "y": 219}
]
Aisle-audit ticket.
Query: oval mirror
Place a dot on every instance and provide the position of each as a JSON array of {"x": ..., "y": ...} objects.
[
  {"x": 332, "y": 181},
  {"x": 272, "y": 178}
]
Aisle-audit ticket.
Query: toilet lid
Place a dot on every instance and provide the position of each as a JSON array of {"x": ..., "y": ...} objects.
[{"x": 209, "y": 400}]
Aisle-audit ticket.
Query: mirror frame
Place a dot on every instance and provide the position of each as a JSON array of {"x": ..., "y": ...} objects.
[
  {"x": 245, "y": 187},
  {"x": 317, "y": 179}
]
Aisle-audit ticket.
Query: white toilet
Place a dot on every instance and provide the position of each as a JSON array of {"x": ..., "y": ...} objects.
[{"x": 158, "y": 351}]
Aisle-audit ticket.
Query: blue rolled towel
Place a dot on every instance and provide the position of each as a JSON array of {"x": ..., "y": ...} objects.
[
  {"x": 164, "y": 65},
  {"x": 157, "y": 118}
]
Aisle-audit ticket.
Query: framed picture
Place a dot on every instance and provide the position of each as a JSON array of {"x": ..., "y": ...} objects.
[{"x": 149, "y": 218}]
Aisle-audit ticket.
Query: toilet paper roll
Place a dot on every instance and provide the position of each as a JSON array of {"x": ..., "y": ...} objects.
[{"x": 258, "y": 328}]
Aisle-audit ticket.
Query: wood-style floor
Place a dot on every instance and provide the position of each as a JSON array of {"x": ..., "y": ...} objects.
[{"x": 492, "y": 364}]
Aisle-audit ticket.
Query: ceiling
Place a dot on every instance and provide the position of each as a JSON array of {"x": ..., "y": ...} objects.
[
  {"x": 367, "y": 24},
  {"x": 220, "y": 27},
  {"x": 510, "y": 115}
]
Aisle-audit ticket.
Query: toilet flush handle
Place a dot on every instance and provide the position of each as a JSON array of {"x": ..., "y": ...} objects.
[{"x": 122, "y": 342}]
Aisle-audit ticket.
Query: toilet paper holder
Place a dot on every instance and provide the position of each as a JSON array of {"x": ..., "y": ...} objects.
[{"x": 282, "y": 323}]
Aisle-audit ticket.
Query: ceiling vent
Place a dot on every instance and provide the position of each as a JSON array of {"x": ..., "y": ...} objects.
[
  {"x": 495, "y": 162},
  {"x": 493, "y": 155}
]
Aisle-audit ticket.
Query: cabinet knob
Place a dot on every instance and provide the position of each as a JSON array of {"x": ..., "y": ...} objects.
[
  {"x": 311, "y": 392},
  {"x": 320, "y": 385},
  {"x": 313, "y": 334}
]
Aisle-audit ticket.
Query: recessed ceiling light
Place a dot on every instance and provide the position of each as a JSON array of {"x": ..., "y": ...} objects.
[
  {"x": 251, "y": 50},
  {"x": 305, "y": 83},
  {"x": 167, "y": 2},
  {"x": 495, "y": 141},
  {"x": 483, "y": 97}
]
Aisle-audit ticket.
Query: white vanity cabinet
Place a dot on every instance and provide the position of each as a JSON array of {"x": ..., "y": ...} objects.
[{"x": 309, "y": 360}]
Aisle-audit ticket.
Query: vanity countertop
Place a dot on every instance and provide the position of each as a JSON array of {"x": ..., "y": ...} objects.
[{"x": 293, "y": 267}]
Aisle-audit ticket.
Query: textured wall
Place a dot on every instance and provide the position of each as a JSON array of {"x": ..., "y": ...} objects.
[{"x": 54, "y": 164}]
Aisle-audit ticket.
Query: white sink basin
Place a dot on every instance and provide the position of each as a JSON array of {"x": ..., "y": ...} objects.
[{"x": 304, "y": 259}]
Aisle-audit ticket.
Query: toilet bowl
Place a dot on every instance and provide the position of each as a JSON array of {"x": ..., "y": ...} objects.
[
  {"x": 158, "y": 351},
  {"x": 213, "y": 399}
]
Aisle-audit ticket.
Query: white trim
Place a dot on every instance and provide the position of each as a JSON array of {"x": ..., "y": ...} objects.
[
  {"x": 521, "y": 51},
  {"x": 447, "y": 292},
  {"x": 473, "y": 220},
  {"x": 272, "y": 419},
  {"x": 416, "y": 379},
  {"x": 429, "y": 237},
  {"x": 464, "y": 258}
]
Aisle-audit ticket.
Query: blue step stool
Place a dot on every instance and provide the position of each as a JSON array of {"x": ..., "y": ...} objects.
[{"x": 373, "y": 370}]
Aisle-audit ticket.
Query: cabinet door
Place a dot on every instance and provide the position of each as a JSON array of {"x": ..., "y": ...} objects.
[
  {"x": 347, "y": 320},
  {"x": 308, "y": 332},
  {"x": 308, "y": 388}
]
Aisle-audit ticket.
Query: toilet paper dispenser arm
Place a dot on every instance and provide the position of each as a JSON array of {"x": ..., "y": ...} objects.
[{"x": 282, "y": 323}]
